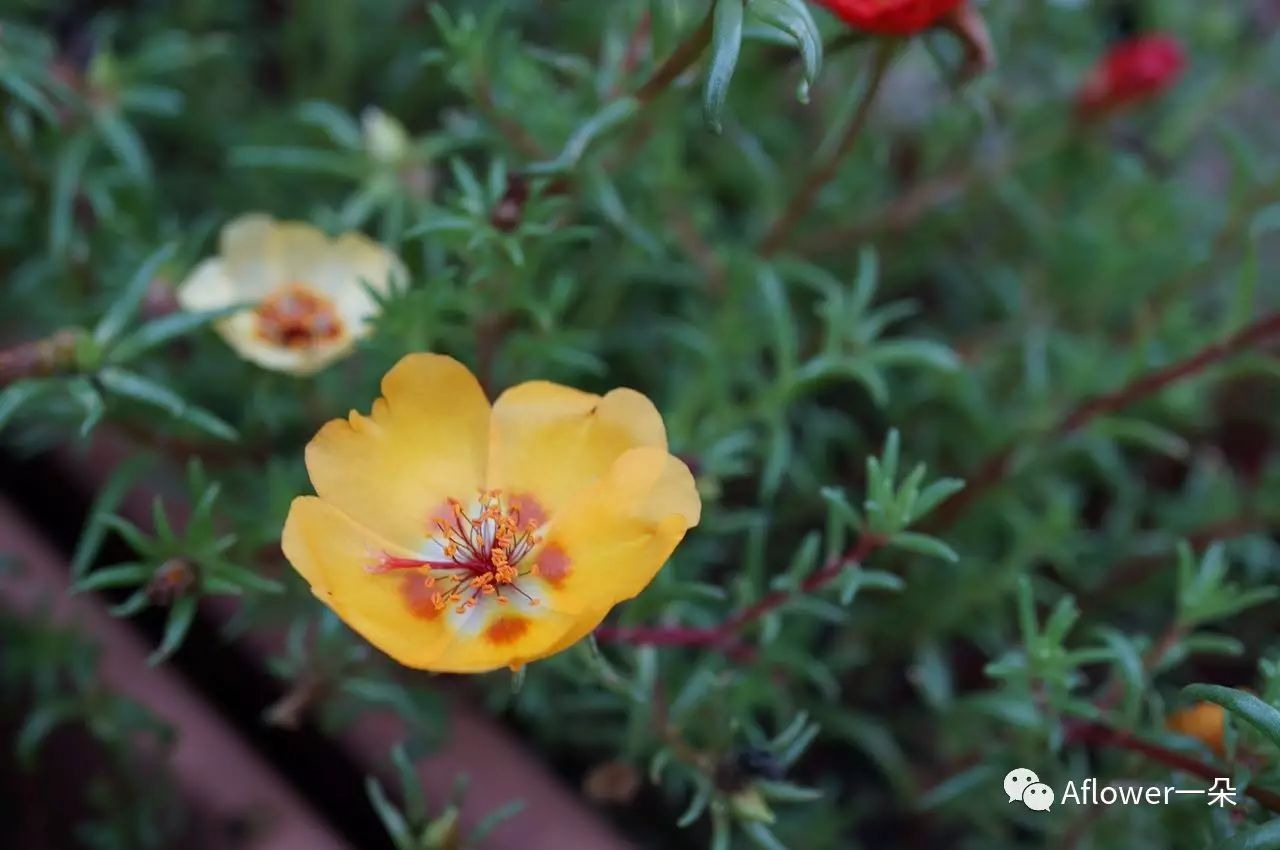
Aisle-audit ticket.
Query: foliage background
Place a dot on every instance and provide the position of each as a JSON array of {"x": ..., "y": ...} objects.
[{"x": 980, "y": 268}]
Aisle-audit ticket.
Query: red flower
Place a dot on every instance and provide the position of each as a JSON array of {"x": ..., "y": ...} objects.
[
  {"x": 891, "y": 17},
  {"x": 1131, "y": 72}
]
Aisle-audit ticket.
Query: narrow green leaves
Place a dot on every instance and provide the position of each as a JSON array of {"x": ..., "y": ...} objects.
[
  {"x": 16, "y": 396},
  {"x": 163, "y": 330},
  {"x": 923, "y": 544},
  {"x": 181, "y": 615},
  {"x": 892, "y": 505},
  {"x": 392, "y": 820},
  {"x": 126, "y": 304},
  {"x": 726, "y": 44},
  {"x": 604, "y": 121},
  {"x": 1258, "y": 714},
  {"x": 1264, "y": 837},
  {"x": 145, "y": 391},
  {"x": 1205, "y": 594},
  {"x": 793, "y": 19}
]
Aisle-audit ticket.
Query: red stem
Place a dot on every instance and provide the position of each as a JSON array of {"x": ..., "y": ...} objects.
[
  {"x": 993, "y": 470},
  {"x": 38, "y": 358},
  {"x": 724, "y": 633}
]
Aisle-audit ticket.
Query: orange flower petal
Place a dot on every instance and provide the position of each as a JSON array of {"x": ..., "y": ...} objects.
[
  {"x": 607, "y": 544},
  {"x": 426, "y": 441},
  {"x": 334, "y": 554},
  {"x": 554, "y": 442}
]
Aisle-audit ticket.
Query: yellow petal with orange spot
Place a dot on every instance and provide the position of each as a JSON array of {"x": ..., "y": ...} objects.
[
  {"x": 426, "y": 441},
  {"x": 491, "y": 637},
  {"x": 553, "y": 442},
  {"x": 608, "y": 543},
  {"x": 333, "y": 554}
]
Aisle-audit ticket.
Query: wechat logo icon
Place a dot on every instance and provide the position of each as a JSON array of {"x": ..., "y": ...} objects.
[{"x": 1025, "y": 785}]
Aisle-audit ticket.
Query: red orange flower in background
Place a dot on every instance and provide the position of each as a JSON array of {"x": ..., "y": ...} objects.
[
  {"x": 1204, "y": 721},
  {"x": 1131, "y": 72},
  {"x": 892, "y": 17}
]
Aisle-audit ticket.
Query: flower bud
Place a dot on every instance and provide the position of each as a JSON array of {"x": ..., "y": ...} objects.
[
  {"x": 173, "y": 579},
  {"x": 750, "y": 804},
  {"x": 1133, "y": 71},
  {"x": 1204, "y": 721},
  {"x": 385, "y": 138},
  {"x": 614, "y": 782}
]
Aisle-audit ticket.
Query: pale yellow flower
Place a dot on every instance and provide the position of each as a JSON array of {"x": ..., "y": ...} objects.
[{"x": 308, "y": 296}]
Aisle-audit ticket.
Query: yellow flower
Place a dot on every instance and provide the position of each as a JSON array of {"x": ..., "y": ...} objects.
[
  {"x": 306, "y": 292},
  {"x": 460, "y": 537},
  {"x": 1204, "y": 721}
]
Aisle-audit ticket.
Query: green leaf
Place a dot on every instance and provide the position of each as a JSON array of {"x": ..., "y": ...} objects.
[
  {"x": 856, "y": 580},
  {"x": 721, "y": 830},
  {"x": 13, "y": 397},
  {"x": 914, "y": 352},
  {"x": 124, "y": 142},
  {"x": 494, "y": 819},
  {"x": 38, "y": 726},
  {"x": 246, "y": 578},
  {"x": 782, "y": 324},
  {"x": 658, "y": 764},
  {"x": 1265, "y": 221},
  {"x": 697, "y": 805},
  {"x": 133, "y": 386},
  {"x": 126, "y": 305},
  {"x": 924, "y": 545},
  {"x": 793, "y": 18},
  {"x": 298, "y": 159},
  {"x": 1258, "y": 714},
  {"x": 410, "y": 783},
  {"x": 131, "y": 606},
  {"x": 30, "y": 95},
  {"x": 787, "y": 792},
  {"x": 181, "y": 615},
  {"x": 392, "y": 820},
  {"x": 873, "y": 736},
  {"x": 162, "y": 330},
  {"x": 109, "y": 497},
  {"x": 984, "y": 775},
  {"x": 1143, "y": 434},
  {"x": 121, "y": 575},
  {"x": 1264, "y": 837},
  {"x": 67, "y": 173},
  {"x": 341, "y": 129},
  {"x": 608, "y": 118},
  {"x": 726, "y": 44},
  {"x": 134, "y": 536},
  {"x": 760, "y": 834},
  {"x": 933, "y": 495},
  {"x": 90, "y": 400}
]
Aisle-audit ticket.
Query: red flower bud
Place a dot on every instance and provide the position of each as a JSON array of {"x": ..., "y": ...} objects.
[
  {"x": 1131, "y": 72},
  {"x": 891, "y": 17}
]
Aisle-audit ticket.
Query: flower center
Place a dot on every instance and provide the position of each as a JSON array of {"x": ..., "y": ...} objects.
[
  {"x": 482, "y": 551},
  {"x": 294, "y": 316}
]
